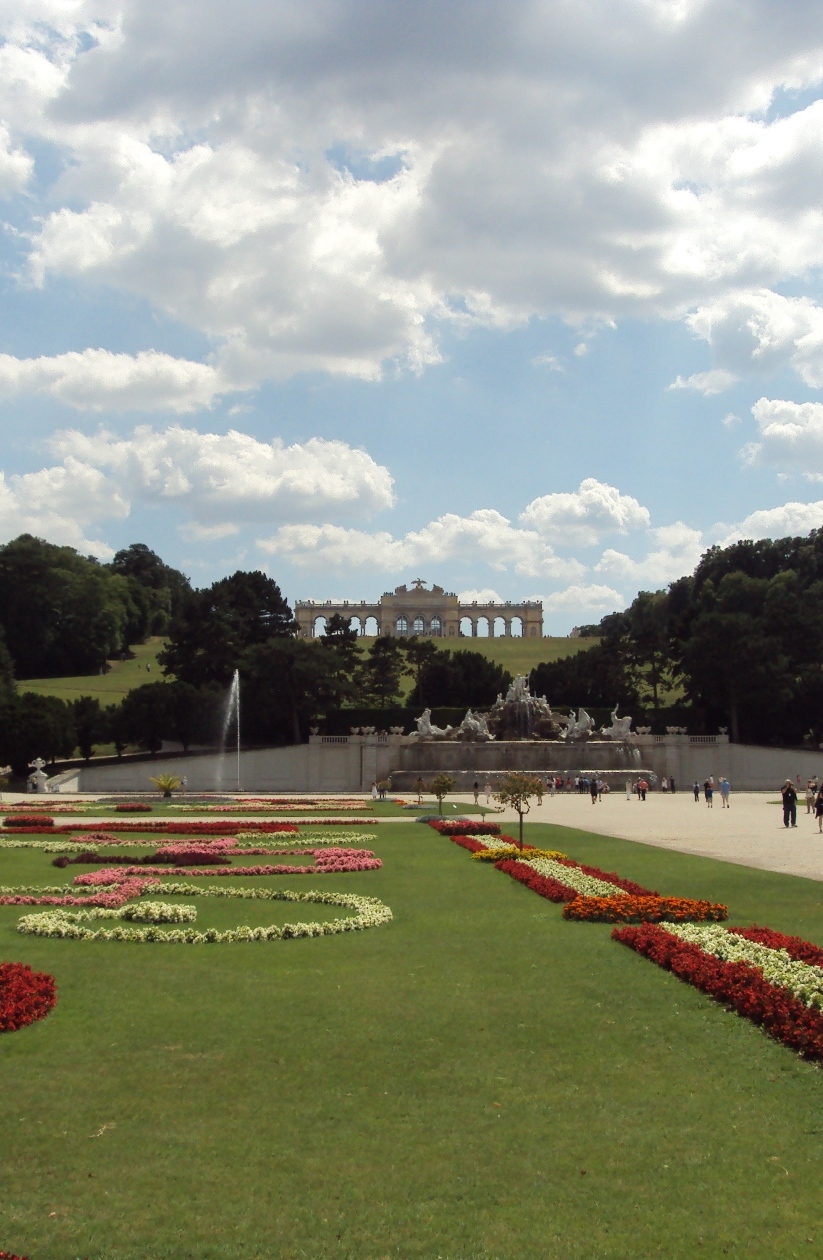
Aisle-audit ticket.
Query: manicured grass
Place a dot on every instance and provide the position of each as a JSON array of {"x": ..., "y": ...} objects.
[
  {"x": 109, "y": 688},
  {"x": 478, "y": 1079}
]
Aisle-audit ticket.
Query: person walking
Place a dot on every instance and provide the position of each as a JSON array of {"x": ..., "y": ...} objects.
[
  {"x": 818, "y": 809},
  {"x": 811, "y": 789},
  {"x": 593, "y": 790},
  {"x": 789, "y": 794},
  {"x": 628, "y": 789},
  {"x": 708, "y": 792},
  {"x": 421, "y": 787},
  {"x": 725, "y": 789},
  {"x": 696, "y": 790},
  {"x": 488, "y": 790},
  {"x": 539, "y": 792},
  {"x": 476, "y": 790},
  {"x": 671, "y": 785},
  {"x": 374, "y": 789},
  {"x": 643, "y": 788},
  {"x": 552, "y": 785}
]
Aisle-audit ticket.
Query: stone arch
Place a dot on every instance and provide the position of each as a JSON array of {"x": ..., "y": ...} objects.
[
  {"x": 516, "y": 627},
  {"x": 499, "y": 628},
  {"x": 467, "y": 627},
  {"x": 419, "y": 625},
  {"x": 483, "y": 628},
  {"x": 435, "y": 626},
  {"x": 318, "y": 627},
  {"x": 356, "y": 624},
  {"x": 370, "y": 626},
  {"x": 402, "y": 625}
]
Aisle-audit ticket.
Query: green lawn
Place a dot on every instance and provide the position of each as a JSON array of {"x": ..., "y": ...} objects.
[
  {"x": 479, "y": 1079},
  {"x": 109, "y": 688}
]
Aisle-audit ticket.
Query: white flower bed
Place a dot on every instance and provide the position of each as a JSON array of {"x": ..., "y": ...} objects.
[
  {"x": 574, "y": 878},
  {"x": 803, "y": 980},
  {"x": 70, "y": 925}
]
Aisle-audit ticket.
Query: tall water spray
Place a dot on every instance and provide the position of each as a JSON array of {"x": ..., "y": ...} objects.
[{"x": 232, "y": 710}]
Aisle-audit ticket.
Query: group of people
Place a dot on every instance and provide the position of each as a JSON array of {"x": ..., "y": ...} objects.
[
  {"x": 814, "y": 802},
  {"x": 709, "y": 788}
]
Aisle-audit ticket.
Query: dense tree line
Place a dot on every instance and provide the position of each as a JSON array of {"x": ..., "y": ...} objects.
[{"x": 741, "y": 639}]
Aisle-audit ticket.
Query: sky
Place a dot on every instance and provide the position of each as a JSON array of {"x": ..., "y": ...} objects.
[{"x": 521, "y": 298}]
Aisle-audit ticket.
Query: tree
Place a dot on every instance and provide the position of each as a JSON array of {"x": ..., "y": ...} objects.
[
  {"x": 146, "y": 717},
  {"x": 419, "y": 653},
  {"x": 441, "y": 785},
  {"x": 378, "y": 677},
  {"x": 89, "y": 723},
  {"x": 215, "y": 627},
  {"x": 597, "y": 676},
  {"x": 35, "y": 726},
  {"x": 288, "y": 683},
  {"x": 457, "y": 679},
  {"x": 517, "y": 790}
]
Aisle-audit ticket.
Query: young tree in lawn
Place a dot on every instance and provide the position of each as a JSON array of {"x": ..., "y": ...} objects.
[
  {"x": 517, "y": 790},
  {"x": 441, "y": 785}
]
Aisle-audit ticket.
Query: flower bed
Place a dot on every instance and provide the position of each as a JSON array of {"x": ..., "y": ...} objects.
[
  {"x": 454, "y": 827},
  {"x": 761, "y": 974},
  {"x": 368, "y": 913},
  {"x": 25, "y": 996},
  {"x": 327, "y": 862},
  {"x": 29, "y": 820},
  {"x": 133, "y": 807},
  {"x": 175, "y": 828},
  {"x": 633, "y": 909}
]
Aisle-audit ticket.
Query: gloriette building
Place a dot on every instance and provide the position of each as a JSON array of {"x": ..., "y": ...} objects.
[{"x": 424, "y": 611}]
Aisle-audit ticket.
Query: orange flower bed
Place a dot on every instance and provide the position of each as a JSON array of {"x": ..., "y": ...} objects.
[{"x": 636, "y": 909}]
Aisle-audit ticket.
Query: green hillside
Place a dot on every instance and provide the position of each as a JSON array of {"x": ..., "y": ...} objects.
[
  {"x": 518, "y": 656},
  {"x": 110, "y": 688}
]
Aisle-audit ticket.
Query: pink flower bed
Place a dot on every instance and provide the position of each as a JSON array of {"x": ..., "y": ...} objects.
[{"x": 327, "y": 862}]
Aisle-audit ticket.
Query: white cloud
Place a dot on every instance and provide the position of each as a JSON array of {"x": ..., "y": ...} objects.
[
  {"x": 708, "y": 383},
  {"x": 584, "y": 599},
  {"x": 730, "y": 420},
  {"x": 788, "y": 520},
  {"x": 97, "y": 380},
  {"x": 483, "y": 537},
  {"x": 762, "y": 331},
  {"x": 585, "y": 516},
  {"x": 652, "y": 183},
  {"x": 16, "y": 166},
  {"x": 791, "y": 434},
  {"x": 485, "y": 596},
  {"x": 675, "y": 551},
  {"x": 215, "y": 480}
]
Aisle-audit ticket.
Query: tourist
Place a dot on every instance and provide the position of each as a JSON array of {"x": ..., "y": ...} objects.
[
  {"x": 628, "y": 789},
  {"x": 552, "y": 785},
  {"x": 818, "y": 809},
  {"x": 184, "y": 783},
  {"x": 488, "y": 790},
  {"x": 374, "y": 790},
  {"x": 725, "y": 789},
  {"x": 671, "y": 784},
  {"x": 568, "y": 784},
  {"x": 664, "y": 784},
  {"x": 811, "y": 792},
  {"x": 578, "y": 783},
  {"x": 539, "y": 792},
  {"x": 604, "y": 788},
  {"x": 643, "y": 788},
  {"x": 708, "y": 792},
  {"x": 421, "y": 787},
  {"x": 696, "y": 790},
  {"x": 476, "y": 790},
  {"x": 789, "y": 794},
  {"x": 593, "y": 790}
]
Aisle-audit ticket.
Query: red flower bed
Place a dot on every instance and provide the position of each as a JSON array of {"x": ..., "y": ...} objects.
[
  {"x": 8, "y": 1255},
  {"x": 650, "y": 909},
  {"x": 543, "y": 885},
  {"x": 169, "y": 828},
  {"x": 468, "y": 842},
  {"x": 453, "y": 827},
  {"x": 627, "y": 885},
  {"x": 29, "y": 820},
  {"x": 739, "y": 986},
  {"x": 797, "y": 949},
  {"x": 133, "y": 807},
  {"x": 25, "y": 996}
]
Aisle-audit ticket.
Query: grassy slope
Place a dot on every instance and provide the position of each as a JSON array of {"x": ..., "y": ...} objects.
[
  {"x": 516, "y": 655},
  {"x": 479, "y": 1079},
  {"x": 109, "y": 688}
]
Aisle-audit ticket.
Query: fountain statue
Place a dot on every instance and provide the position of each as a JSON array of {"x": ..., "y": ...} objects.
[
  {"x": 38, "y": 781},
  {"x": 621, "y": 727},
  {"x": 474, "y": 728},
  {"x": 427, "y": 730}
]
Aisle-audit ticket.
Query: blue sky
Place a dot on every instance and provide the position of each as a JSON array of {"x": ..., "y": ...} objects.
[{"x": 520, "y": 298}]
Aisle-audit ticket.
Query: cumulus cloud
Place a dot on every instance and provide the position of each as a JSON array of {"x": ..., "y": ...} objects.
[
  {"x": 761, "y": 331},
  {"x": 583, "y": 517},
  {"x": 675, "y": 551},
  {"x": 791, "y": 435},
  {"x": 585, "y": 599},
  {"x": 485, "y": 596},
  {"x": 216, "y": 481},
  {"x": 321, "y": 186},
  {"x": 97, "y": 380},
  {"x": 485, "y": 537},
  {"x": 788, "y": 520}
]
